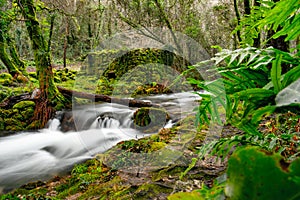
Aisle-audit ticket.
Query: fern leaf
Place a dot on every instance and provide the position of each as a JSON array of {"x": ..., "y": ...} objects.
[
  {"x": 291, "y": 76},
  {"x": 256, "y": 93},
  {"x": 276, "y": 74},
  {"x": 258, "y": 114}
]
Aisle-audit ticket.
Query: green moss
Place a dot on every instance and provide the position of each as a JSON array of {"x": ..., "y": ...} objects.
[
  {"x": 14, "y": 128},
  {"x": 22, "y": 105},
  {"x": 105, "y": 190},
  {"x": 150, "y": 191},
  {"x": 2, "y": 124},
  {"x": 150, "y": 120},
  {"x": 5, "y": 113},
  {"x": 57, "y": 79},
  {"x": 34, "y": 125},
  {"x": 195, "y": 195},
  {"x": 19, "y": 117},
  {"x": 12, "y": 122},
  {"x": 5, "y": 79},
  {"x": 33, "y": 75},
  {"x": 156, "y": 146},
  {"x": 28, "y": 113}
]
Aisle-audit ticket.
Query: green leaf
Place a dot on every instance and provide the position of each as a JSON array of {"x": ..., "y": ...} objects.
[
  {"x": 256, "y": 93},
  {"x": 291, "y": 76},
  {"x": 256, "y": 174},
  {"x": 258, "y": 114},
  {"x": 276, "y": 74}
]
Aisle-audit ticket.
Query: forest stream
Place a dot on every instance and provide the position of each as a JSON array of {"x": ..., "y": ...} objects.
[{"x": 31, "y": 156}]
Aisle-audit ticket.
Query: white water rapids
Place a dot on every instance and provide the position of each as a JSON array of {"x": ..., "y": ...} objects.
[{"x": 32, "y": 156}]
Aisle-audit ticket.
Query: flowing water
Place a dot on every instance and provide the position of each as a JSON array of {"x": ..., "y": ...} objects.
[{"x": 32, "y": 156}]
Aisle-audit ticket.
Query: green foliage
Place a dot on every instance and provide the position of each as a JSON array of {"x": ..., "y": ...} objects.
[
  {"x": 216, "y": 191},
  {"x": 285, "y": 14},
  {"x": 282, "y": 17},
  {"x": 250, "y": 80},
  {"x": 247, "y": 28},
  {"x": 257, "y": 174}
]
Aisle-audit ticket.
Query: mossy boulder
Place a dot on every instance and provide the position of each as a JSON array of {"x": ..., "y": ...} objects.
[
  {"x": 64, "y": 75},
  {"x": 23, "y": 105},
  {"x": 18, "y": 117},
  {"x": 4, "y": 93},
  {"x": 34, "y": 125},
  {"x": 12, "y": 124},
  {"x": 2, "y": 124},
  {"x": 5, "y": 79},
  {"x": 144, "y": 65},
  {"x": 149, "y": 119}
]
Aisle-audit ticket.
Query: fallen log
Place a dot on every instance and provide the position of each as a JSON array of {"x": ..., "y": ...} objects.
[
  {"x": 106, "y": 98},
  {"x": 11, "y": 101}
]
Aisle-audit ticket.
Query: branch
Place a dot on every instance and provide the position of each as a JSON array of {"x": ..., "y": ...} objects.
[{"x": 106, "y": 98}]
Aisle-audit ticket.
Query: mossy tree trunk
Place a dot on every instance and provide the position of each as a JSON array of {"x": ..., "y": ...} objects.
[
  {"x": 12, "y": 69},
  {"x": 15, "y": 55},
  {"x": 49, "y": 96}
]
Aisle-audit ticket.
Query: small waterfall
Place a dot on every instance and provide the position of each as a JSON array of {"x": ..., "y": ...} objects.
[{"x": 32, "y": 156}]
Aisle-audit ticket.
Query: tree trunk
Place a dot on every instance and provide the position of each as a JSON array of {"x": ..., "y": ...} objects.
[
  {"x": 279, "y": 42},
  {"x": 15, "y": 56},
  {"x": 238, "y": 17},
  {"x": 51, "y": 31},
  {"x": 247, "y": 7},
  {"x": 49, "y": 94},
  {"x": 66, "y": 43},
  {"x": 12, "y": 69}
]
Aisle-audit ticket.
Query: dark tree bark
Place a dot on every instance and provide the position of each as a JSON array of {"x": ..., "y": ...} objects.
[
  {"x": 66, "y": 42},
  {"x": 247, "y": 7},
  {"x": 238, "y": 17},
  {"x": 51, "y": 31},
  {"x": 50, "y": 97},
  {"x": 279, "y": 42}
]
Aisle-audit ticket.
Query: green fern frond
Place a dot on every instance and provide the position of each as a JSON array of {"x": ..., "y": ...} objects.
[{"x": 276, "y": 74}]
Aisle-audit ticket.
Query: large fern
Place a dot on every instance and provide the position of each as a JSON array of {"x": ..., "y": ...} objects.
[
  {"x": 285, "y": 14},
  {"x": 249, "y": 80}
]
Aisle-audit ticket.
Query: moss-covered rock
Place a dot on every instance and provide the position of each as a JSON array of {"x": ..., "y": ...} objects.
[
  {"x": 150, "y": 120},
  {"x": 12, "y": 124},
  {"x": 34, "y": 125},
  {"x": 4, "y": 93},
  {"x": 33, "y": 75},
  {"x": 5, "y": 79},
  {"x": 28, "y": 113},
  {"x": 23, "y": 105},
  {"x": 2, "y": 124},
  {"x": 120, "y": 70}
]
